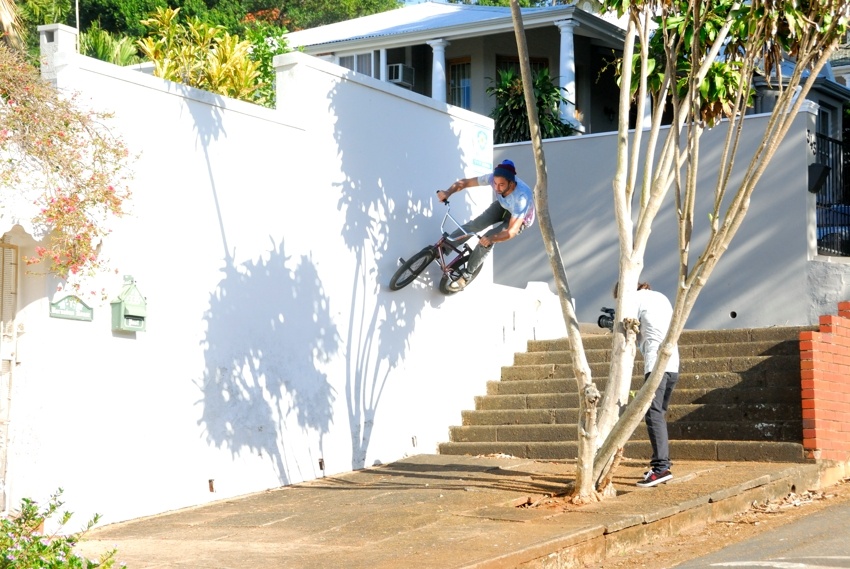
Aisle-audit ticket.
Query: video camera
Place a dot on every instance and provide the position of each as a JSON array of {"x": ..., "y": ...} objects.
[{"x": 606, "y": 320}]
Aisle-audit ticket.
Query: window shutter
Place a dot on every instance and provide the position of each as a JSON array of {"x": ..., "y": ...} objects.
[{"x": 8, "y": 341}]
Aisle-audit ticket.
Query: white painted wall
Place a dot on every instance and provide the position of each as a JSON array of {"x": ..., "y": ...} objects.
[
  {"x": 263, "y": 241},
  {"x": 771, "y": 274}
]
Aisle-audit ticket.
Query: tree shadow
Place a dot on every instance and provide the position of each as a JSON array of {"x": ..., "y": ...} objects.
[
  {"x": 269, "y": 331},
  {"x": 389, "y": 212},
  {"x": 263, "y": 358}
]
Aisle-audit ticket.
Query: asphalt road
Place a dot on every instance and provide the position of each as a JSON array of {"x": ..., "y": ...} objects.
[{"x": 817, "y": 541}]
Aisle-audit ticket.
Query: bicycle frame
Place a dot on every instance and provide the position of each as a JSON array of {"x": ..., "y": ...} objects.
[
  {"x": 462, "y": 249},
  {"x": 441, "y": 252}
]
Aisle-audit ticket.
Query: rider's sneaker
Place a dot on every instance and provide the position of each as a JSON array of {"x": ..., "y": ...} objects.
[
  {"x": 458, "y": 285},
  {"x": 461, "y": 282}
]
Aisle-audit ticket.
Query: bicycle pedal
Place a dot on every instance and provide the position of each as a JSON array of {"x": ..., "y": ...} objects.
[{"x": 401, "y": 261}]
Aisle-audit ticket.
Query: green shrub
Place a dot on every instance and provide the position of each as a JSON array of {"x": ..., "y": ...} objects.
[
  {"x": 102, "y": 45},
  {"x": 267, "y": 41},
  {"x": 24, "y": 545},
  {"x": 510, "y": 115}
]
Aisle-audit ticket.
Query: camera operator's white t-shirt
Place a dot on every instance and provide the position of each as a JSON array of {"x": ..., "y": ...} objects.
[{"x": 654, "y": 312}]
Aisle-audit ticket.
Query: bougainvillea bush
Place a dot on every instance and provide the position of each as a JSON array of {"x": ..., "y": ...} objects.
[{"x": 64, "y": 161}]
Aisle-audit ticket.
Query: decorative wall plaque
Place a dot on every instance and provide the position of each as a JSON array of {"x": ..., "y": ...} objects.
[{"x": 72, "y": 308}]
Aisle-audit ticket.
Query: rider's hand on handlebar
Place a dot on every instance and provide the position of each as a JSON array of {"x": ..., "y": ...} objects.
[{"x": 442, "y": 195}]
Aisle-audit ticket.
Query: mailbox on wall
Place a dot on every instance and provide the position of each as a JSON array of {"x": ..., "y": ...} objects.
[{"x": 129, "y": 310}]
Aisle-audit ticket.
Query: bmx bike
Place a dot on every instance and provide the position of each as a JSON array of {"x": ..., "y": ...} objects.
[{"x": 452, "y": 257}]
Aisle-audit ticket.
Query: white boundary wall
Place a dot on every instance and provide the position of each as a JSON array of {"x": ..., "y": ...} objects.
[{"x": 263, "y": 241}]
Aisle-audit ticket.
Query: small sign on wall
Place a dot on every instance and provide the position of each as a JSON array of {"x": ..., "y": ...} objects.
[
  {"x": 482, "y": 156},
  {"x": 71, "y": 308}
]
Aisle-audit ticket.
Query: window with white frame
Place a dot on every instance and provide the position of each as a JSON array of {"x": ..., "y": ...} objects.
[
  {"x": 368, "y": 63},
  {"x": 460, "y": 82}
]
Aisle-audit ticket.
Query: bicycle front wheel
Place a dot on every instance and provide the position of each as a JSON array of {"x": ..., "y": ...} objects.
[{"x": 412, "y": 267}]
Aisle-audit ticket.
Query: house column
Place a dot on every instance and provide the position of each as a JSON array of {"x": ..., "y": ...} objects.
[
  {"x": 383, "y": 64},
  {"x": 567, "y": 71},
  {"x": 438, "y": 69}
]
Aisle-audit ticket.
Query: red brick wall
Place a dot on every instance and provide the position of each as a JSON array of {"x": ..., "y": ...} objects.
[{"x": 825, "y": 375}]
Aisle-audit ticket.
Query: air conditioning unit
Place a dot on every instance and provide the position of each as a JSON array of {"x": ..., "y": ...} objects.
[{"x": 400, "y": 74}]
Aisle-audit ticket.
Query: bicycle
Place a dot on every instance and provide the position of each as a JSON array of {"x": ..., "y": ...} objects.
[{"x": 451, "y": 256}]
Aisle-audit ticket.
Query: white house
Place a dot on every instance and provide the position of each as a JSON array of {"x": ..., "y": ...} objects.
[{"x": 452, "y": 52}]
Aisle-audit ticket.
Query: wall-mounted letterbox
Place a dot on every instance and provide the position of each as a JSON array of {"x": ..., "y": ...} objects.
[{"x": 129, "y": 310}]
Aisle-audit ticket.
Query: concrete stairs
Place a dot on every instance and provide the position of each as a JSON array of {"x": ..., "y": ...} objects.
[{"x": 738, "y": 398}]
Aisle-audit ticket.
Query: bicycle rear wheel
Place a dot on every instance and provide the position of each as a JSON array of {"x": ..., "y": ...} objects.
[
  {"x": 454, "y": 274},
  {"x": 412, "y": 267}
]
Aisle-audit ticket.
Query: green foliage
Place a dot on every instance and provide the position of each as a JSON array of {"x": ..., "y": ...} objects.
[
  {"x": 303, "y": 14},
  {"x": 118, "y": 17},
  {"x": 200, "y": 55},
  {"x": 100, "y": 44},
  {"x": 767, "y": 32},
  {"x": 522, "y": 3},
  {"x": 266, "y": 41},
  {"x": 64, "y": 160},
  {"x": 33, "y": 13},
  {"x": 124, "y": 17},
  {"x": 225, "y": 13},
  {"x": 39, "y": 12},
  {"x": 510, "y": 115},
  {"x": 23, "y": 545}
]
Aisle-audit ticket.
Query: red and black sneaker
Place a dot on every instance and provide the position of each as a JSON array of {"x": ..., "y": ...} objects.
[{"x": 654, "y": 477}]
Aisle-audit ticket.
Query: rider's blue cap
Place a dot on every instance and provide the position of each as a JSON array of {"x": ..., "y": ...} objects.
[{"x": 506, "y": 170}]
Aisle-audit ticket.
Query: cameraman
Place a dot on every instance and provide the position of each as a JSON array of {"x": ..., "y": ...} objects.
[{"x": 654, "y": 311}]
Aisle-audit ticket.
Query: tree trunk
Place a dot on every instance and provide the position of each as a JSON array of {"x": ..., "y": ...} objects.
[{"x": 583, "y": 490}]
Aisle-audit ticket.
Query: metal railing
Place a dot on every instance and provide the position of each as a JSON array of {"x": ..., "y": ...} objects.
[{"x": 826, "y": 177}]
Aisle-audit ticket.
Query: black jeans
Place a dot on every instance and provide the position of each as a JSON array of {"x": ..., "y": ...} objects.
[
  {"x": 493, "y": 215},
  {"x": 656, "y": 422}
]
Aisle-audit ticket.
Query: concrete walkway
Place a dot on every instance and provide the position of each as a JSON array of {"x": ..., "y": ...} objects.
[{"x": 445, "y": 512}]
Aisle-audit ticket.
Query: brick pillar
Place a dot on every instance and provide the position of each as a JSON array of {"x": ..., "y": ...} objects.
[{"x": 825, "y": 381}]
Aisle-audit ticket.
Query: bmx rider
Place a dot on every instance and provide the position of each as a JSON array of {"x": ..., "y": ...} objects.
[{"x": 512, "y": 212}]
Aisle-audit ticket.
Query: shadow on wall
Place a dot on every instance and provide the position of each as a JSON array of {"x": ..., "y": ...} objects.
[
  {"x": 256, "y": 378},
  {"x": 261, "y": 358},
  {"x": 384, "y": 209}
]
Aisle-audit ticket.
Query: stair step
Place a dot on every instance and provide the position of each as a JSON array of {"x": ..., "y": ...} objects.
[
  {"x": 775, "y": 430},
  {"x": 696, "y": 351},
  {"x": 756, "y": 412},
  {"x": 684, "y": 396},
  {"x": 754, "y": 365},
  {"x": 679, "y": 450},
  {"x": 786, "y": 431},
  {"x": 719, "y": 380},
  {"x": 775, "y": 334}
]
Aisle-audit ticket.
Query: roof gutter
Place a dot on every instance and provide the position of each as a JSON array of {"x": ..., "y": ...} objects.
[{"x": 471, "y": 30}]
